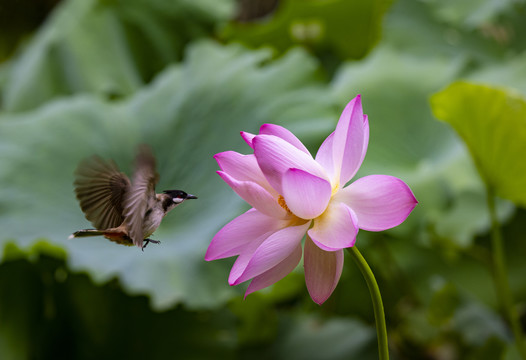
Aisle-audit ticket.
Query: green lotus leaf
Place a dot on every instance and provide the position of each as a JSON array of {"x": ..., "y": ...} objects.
[
  {"x": 347, "y": 28},
  {"x": 492, "y": 123},
  {"x": 106, "y": 47},
  {"x": 510, "y": 73},
  {"x": 470, "y": 13},
  {"x": 313, "y": 337},
  {"x": 190, "y": 112}
]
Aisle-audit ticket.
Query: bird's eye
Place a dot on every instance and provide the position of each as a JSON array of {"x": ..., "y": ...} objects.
[{"x": 181, "y": 195}]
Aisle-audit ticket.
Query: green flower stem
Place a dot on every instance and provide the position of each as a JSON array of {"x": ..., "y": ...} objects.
[
  {"x": 500, "y": 274},
  {"x": 376, "y": 297}
]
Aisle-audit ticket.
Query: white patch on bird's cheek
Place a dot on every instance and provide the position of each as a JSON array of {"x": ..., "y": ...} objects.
[{"x": 177, "y": 200}]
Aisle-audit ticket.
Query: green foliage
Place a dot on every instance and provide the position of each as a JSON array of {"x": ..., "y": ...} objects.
[
  {"x": 311, "y": 337},
  {"x": 110, "y": 48},
  {"x": 324, "y": 26},
  {"x": 443, "y": 305},
  {"x": 510, "y": 73},
  {"x": 101, "y": 76},
  {"x": 492, "y": 123},
  {"x": 19, "y": 19},
  {"x": 493, "y": 349},
  {"x": 181, "y": 114},
  {"x": 49, "y": 313},
  {"x": 470, "y": 13}
]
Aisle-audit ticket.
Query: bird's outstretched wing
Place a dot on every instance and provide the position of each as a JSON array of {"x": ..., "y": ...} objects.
[
  {"x": 100, "y": 188},
  {"x": 141, "y": 195}
]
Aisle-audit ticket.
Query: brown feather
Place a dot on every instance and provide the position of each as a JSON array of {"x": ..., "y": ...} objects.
[
  {"x": 141, "y": 195},
  {"x": 100, "y": 188}
]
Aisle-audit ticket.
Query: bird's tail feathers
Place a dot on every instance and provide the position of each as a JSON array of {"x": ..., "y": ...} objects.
[{"x": 86, "y": 233}]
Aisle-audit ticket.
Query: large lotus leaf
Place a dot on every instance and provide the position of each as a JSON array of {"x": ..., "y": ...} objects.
[
  {"x": 476, "y": 323},
  {"x": 349, "y": 28},
  {"x": 407, "y": 142},
  {"x": 312, "y": 337},
  {"x": 190, "y": 112},
  {"x": 509, "y": 73},
  {"x": 107, "y": 47},
  {"x": 414, "y": 26},
  {"x": 470, "y": 13},
  {"x": 492, "y": 123}
]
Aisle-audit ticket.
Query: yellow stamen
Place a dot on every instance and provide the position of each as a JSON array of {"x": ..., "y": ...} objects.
[{"x": 283, "y": 204}]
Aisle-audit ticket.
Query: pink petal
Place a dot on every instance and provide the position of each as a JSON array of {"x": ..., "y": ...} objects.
[
  {"x": 273, "y": 251},
  {"x": 247, "y": 137},
  {"x": 281, "y": 132},
  {"x": 237, "y": 234},
  {"x": 379, "y": 201},
  {"x": 322, "y": 271},
  {"x": 244, "y": 258},
  {"x": 324, "y": 157},
  {"x": 243, "y": 168},
  {"x": 350, "y": 140},
  {"x": 365, "y": 137},
  {"x": 276, "y": 273},
  {"x": 306, "y": 195},
  {"x": 275, "y": 156},
  {"x": 336, "y": 228},
  {"x": 256, "y": 196}
]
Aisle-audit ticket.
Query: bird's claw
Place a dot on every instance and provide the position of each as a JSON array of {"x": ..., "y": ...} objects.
[{"x": 147, "y": 241}]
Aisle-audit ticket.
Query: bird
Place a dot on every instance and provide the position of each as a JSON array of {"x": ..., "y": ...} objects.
[{"x": 123, "y": 211}]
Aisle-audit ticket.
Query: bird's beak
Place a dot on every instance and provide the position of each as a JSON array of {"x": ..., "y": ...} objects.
[{"x": 190, "y": 196}]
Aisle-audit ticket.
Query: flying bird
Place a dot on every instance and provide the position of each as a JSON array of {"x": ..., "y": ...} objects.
[{"x": 123, "y": 211}]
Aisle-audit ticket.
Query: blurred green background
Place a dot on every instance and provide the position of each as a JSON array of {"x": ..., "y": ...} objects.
[{"x": 83, "y": 77}]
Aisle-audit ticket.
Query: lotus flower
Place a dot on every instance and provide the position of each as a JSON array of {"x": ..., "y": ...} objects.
[{"x": 294, "y": 194}]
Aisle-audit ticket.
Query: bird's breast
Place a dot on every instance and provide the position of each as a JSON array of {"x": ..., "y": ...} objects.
[{"x": 152, "y": 222}]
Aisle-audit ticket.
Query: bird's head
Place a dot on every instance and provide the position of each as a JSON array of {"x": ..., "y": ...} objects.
[{"x": 174, "y": 198}]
